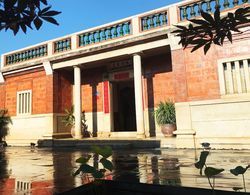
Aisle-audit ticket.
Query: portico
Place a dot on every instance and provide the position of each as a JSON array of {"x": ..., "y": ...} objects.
[{"x": 138, "y": 91}]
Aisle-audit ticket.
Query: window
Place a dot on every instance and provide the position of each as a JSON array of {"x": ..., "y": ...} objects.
[
  {"x": 234, "y": 76},
  {"x": 24, "y": 100}
]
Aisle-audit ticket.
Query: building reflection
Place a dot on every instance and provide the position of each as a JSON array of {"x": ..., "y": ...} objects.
[
  {"x": 50, "y": 172},
  {"x": 63, "y": 163},
  {"x": 126, "y": 167}
]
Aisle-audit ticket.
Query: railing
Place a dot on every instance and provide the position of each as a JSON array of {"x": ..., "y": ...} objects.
[
  {"x": 62, "y": 45},
  {"x": 107, "y": 33},
  {"x": 193, "y": 9},
  {"x": 139, "y": 24},
  {"x": 154, "y": 20},
  {"x": 26, "y": 55}
]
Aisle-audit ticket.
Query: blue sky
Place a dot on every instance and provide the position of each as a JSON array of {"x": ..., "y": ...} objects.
[{"x": 78, "y": 15}]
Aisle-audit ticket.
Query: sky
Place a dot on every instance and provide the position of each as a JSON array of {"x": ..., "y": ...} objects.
[{"x": 78, "y": 15}]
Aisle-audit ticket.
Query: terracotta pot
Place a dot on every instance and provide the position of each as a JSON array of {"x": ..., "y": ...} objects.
[
  {"x": 168, "y": 129},
  {"x": 72, "y": 131}
]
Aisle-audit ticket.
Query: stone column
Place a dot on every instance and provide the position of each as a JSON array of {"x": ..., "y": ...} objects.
[
  {"x": 77, "y": 102},
  {"x": 138, "y": 96}
]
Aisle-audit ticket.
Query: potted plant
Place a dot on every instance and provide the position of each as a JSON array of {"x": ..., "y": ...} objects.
[
  {"x": 69, "y": 120},
  {"x": 5, "y": 120},
  {"x": 165, "y": 117}
]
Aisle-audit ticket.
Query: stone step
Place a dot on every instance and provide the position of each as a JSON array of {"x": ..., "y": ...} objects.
[{"x": 87, "y": 143}]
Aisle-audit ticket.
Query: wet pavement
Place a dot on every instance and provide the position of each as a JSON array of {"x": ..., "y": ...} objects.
[{"x": 47, "y": 171}]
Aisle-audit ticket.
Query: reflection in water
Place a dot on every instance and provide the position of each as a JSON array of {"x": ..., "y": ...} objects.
[
  {"x": 169, "y": 172},
  {"x": 155, "y": 170},
  {"x": 4, "y": 173},
  {"x": 125, "y": 167},
  {"x": 45, "y": 171},
  {"x": 62, "y": 174}
]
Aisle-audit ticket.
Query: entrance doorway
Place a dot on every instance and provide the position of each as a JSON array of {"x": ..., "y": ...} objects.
[{"x": 124, "y": 106}]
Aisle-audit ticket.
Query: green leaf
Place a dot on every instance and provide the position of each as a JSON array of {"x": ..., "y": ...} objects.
[
  {"x": 238, "y": 170},
  {"x": 24, "y": 28},
  {"x": 207, "y": 17},
  {"x": 200, "y": 22},
  {"x": 229, "y": 36},
  {"x": 211, "y": 171},
  {"x": 202, "y": 161},
  {"x": 107, "y": 164},
  {"x": 199, "y": 43},
  {"x": 207, "y": 47},
  {"x": 85, "y": 168},
  {"x": 44, "y": 2},
  {"x": 176, "y": 31},
  {"x": 217, "y": 15},
  {"x": 83, "y": 160},
  {"x": 50, "y": 19},
  {"x": 44, "y": 10},
  {"x": 38, "y": 23},
  {"x": 181, "y": 27},
  {"x": 98, "y": 174},
  {"x": 51, "y": 13},
  {"x": 77, "y": 172},
  {"x": 105, "y": 151}
]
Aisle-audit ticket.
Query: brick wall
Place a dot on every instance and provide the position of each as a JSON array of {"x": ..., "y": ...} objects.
[
  {"x": 2, "y": 96},
  {"x": 92, "y": 90},
  {"x": 35, "y": 80},
  {"x": 196, "y": 74},
  {"x": 158, "y": 80},
  {"x": 202, "y": 74},
  {"x": 63, "y": 90}
]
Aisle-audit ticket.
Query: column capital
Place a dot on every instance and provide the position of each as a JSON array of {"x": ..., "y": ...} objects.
[
  {"x": 138, "y": 53},
  {"x": 76, "y": 66}
]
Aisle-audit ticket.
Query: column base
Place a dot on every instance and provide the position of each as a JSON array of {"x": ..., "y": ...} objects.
[
  {"x": 78, "y": 137},
  {"x": 141, "y": 136}
]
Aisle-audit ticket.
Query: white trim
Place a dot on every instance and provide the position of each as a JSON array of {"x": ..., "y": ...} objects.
[
  {"x": 48, "y": 68},
  {"x": 237, "y": 70},
  {"x": 230, "y": 78},
  {"x": 22, "y": 70},
  {"x": 1, "y": 78},
  {"x": 28, "y": 109},
  {"x": 246, "y": 71},
  {"x": 221, "y": 79},
  {"x": 238, "y": 58}
]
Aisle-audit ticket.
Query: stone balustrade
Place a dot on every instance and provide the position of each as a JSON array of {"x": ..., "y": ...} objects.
[
  {"x": 25, "y": 55},
  {"x": 62, "y": 45},
  {"x": 106, "y": 33},
  {"x": 193, "y": 9},
  {"x": 132, "y": 26},
  {"x": 154, "y": 20}
]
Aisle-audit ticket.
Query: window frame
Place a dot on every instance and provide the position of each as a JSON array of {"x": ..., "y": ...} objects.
[
  {"x": 222, "y": 79},
  {"x": 21, "y": 107}
]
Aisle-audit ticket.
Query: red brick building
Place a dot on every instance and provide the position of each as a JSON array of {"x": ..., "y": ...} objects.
[{"x": 119, "y": 72}]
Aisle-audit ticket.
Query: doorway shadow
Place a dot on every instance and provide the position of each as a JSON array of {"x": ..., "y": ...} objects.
[{"x": 151, "y": 118}]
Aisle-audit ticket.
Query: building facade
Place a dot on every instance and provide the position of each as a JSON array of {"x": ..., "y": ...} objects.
[{"x": 117, "y": 74}]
